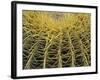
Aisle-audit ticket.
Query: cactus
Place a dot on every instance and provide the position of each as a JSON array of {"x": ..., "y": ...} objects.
[{"x": 55, "y": 39}]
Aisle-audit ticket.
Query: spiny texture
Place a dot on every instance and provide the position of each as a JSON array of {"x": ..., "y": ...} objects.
[{"x": 55, "y": 39}]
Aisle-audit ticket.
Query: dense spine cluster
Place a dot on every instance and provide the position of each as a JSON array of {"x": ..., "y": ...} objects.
[{"x": 55, "y": 39}]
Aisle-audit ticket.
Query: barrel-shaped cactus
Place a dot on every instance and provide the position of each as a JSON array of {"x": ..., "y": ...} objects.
[{"x": 56, "y": 39}]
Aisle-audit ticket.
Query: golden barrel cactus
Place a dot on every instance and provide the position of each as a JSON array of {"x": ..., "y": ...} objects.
[{"x": 55, "y": 39}]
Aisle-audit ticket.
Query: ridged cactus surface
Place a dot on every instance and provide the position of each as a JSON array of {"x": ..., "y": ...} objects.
[{"x": 55, "y": 39}]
